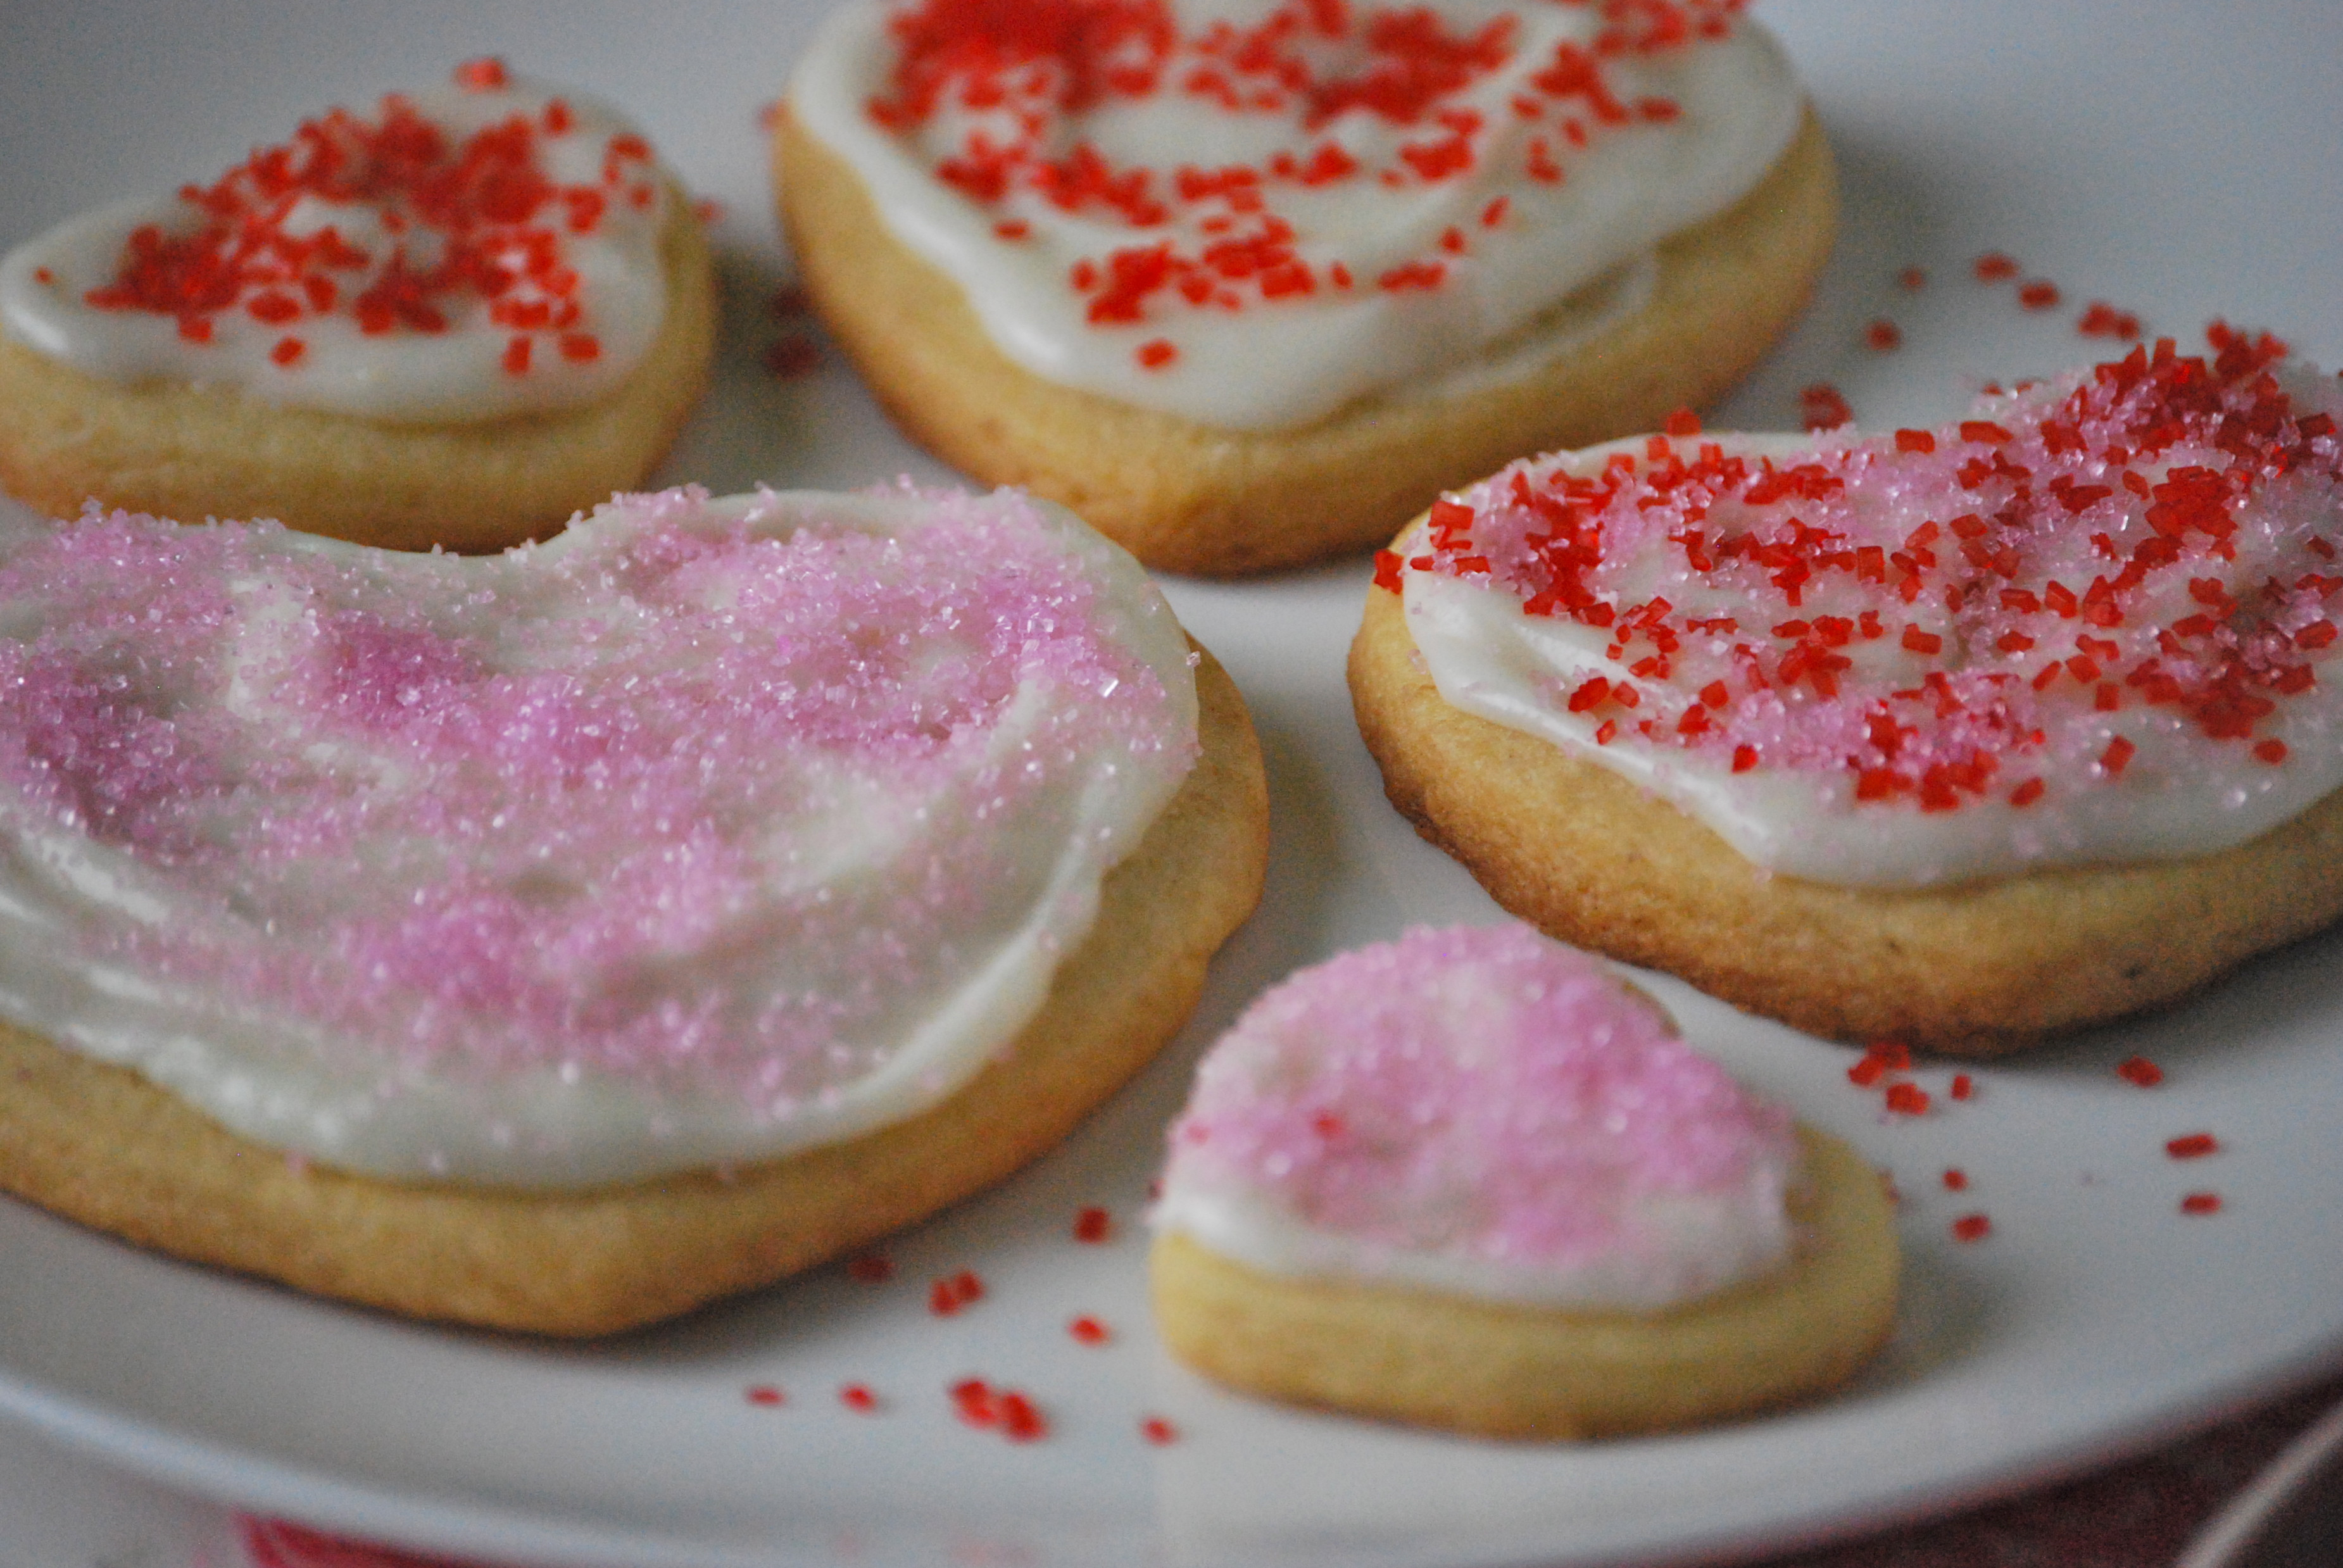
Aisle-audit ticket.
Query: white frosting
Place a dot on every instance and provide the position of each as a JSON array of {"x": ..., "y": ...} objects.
[
  {"x": 1288, "y": 361},
  {"x": 2182, "y": 794},
  {"x": 405, "y": 374},
  {"x": 735, "y": 905}
]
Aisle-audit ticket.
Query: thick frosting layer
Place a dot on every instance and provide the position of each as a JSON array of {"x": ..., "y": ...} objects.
[
  {"x": 711, "y": 830},
  {"x": 1482, "y": 1111},
  {"x": 485, "y": 249},
  {"x": 1250, "y": 213},
  {"x": 2092, "y": 623}
]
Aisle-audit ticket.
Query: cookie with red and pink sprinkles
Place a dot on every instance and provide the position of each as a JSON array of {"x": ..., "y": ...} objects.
[
  {"x": 1472, "y": 1180},
  {"x": 560, "y": 940},
  {"x": 1958, "y": 737},
  {"x": 1248, "y": 286},
  {"x": 454, "y": 321}
]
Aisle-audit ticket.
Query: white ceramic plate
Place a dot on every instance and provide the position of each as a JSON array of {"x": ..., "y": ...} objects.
[{"x": 2181, "y": 170}]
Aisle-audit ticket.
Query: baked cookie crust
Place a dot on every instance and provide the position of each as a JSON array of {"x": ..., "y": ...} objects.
[
  {"x": 1977, "y": 969},
  {"x": 102, "y": 1145},
  {"x": 1501, "y": 1371},
  {"x": 1189, "y": 497},
  {"x": 188, "y": 451}
]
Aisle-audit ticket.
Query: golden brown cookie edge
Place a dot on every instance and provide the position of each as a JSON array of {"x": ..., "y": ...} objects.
[
  {"x": 1977, "y": 969},
  {"x": 1495, "y": 1370},
  {"x": 101, "y": 1145}
]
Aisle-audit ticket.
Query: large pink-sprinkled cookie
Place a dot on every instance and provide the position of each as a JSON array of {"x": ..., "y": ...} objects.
[
  {"x": 1471, "y": 1178},
  {"x": 1249, "y": 285},
  {"x": 1958, "y": 736},
  {"x": 559, "y": 939},
  {"x": 455, "y": 320}
]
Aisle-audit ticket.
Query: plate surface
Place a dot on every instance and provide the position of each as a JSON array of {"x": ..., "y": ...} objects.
[{"x": 2172, "y": 159}]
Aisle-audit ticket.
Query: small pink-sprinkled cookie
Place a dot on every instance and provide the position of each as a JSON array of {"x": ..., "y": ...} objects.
[
  {"x": 1955, "y": 736},
  {"x": 1248, "y": 285},
  {"x": 1471, "y": 1178},
  {"x": 558, "y": 940},
  {"x": 454, "y": 321}
]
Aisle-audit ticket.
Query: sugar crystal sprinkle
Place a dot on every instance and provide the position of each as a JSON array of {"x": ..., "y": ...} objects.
[
  {"x": 685, "y": 797},
  {"x": 1488, "y": 1097},
  {"x": 2119, "y": 585}
]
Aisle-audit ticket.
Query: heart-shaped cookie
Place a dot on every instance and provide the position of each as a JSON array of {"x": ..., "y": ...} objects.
[
  {"x": 1473, "y": 1179},
  {"x": 1257, "y": 220},
  {"x": 454, "y": 318},
  {"x": 2072, "y": 643},
  {"x": 715, "y": 842}
]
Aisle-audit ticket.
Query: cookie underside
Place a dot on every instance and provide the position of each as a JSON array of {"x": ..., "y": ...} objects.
[
  {"x": 1189, "y": 497},
  {"x": 102, "y": 1145},
  {"x": 1494, "y": 1369},
  {"x": 188, "y": 451},
  {"x": 1976, "y": 969}
]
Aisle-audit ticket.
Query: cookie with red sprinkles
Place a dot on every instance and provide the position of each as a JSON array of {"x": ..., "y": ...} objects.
[
  {"x": 1247, "y": 287},
  {"x": 1963, "y": 736},
  {"x": 455, "y": 320}
]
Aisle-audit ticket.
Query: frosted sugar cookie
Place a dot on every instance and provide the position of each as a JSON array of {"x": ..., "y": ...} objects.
[
  {"x": 1955, "y": 736},
  {"x": 558, "y": 940},
  {"x": 1248, "y": 285},
  {"x": 1470, "y": 1179},
  {"x": 454, "y": 321}
]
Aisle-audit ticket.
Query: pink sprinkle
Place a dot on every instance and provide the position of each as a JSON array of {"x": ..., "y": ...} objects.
[
  {"x": 644, "y": 770},
  {"x": 1572, "y": 1097}
]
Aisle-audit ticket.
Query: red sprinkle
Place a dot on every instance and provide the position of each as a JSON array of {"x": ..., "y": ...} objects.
[
  {"x": 1821, "y": 407},
  {"x": 2040, "y": 294},
  {"x": 485, "y": 75},
  {"x": 2192, "y": 1146},
  {"x": 1089, "y": 1331},
  {"x": 1012, "y": 1414},
  {"x": 1955, "y": 1180},
  {"x": 1156, "y": 353},
  {"x": 1884, "y": 335},
  {"x": 765, "y": 1393},
  {"x": 1093, "y": 1225},
  {"x": 1963, "y": 1086},
  {"x": 2140, "y": 1070},
  {"x": 2100, "y": 320},
  {"x": 2201, "y": 1203},
  {"x": 1912, "y": 278},
  {"x": 1994, "y": 267},
  {"x": 858, "y": 1397},
  {"x": 1907, "y": 1100},
  {"x": 948, "y": 1296},
  {"x": 1158, "y": 1431},
  {"x": 1972, "y": 1228},
  {"x": 287, "y": 352}
]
